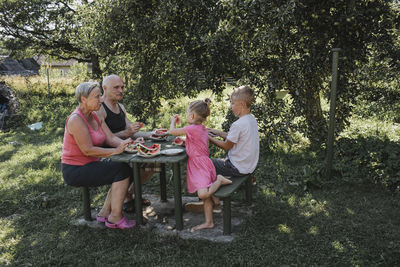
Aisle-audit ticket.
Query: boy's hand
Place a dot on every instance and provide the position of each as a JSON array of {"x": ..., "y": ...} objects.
[
  {"x": 217, "y": 132},
  {"x": 212, "y": 132}
]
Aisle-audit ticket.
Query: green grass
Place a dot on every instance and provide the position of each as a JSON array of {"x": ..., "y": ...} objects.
[{"x": 299, "y": 218}]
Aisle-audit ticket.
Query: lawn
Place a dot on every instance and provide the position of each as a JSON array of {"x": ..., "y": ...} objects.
[{"x": 298, "y": 218}]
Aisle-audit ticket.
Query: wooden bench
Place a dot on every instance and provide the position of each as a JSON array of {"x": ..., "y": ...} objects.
[{"x": 225, "y": 192}]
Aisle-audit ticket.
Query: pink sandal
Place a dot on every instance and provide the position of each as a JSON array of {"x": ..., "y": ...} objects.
[
  {"x": 101, "y": 219},
  {"x": 122, "y": 224}
]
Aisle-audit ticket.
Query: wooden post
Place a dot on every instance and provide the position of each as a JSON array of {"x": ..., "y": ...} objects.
[
  {"x": 331, "y": 131},
  {"x": 48, "y": 81}
]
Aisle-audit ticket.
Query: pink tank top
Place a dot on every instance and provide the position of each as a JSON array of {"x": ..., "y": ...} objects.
[{"x": 71, "y": 153}]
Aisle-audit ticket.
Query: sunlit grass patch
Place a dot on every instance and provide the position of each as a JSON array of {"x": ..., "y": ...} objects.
[{"x": 9, "y": 239}]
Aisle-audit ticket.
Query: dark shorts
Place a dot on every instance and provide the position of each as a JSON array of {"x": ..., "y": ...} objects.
[
  {"x": 95, "y": 173},
  {"x": 225, "y": 167}
]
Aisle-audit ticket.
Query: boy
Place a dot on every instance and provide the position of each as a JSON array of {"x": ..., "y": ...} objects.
[{"x": 241, "y": 142}]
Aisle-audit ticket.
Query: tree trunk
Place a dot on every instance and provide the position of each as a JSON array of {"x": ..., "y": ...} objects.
[
  {"x": 96, "y": 70},
  {"x": 316, "y": 123}
]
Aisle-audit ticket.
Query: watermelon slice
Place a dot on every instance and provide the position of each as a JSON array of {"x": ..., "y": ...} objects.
[
  {"x": 179, "y": 141},
  {"x": 149, "y": 150}
]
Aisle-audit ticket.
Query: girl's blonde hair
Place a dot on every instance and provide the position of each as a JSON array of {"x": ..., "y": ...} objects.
[
  {"x": 244, "y": 93},
  {"x": 201, "y": 108}
]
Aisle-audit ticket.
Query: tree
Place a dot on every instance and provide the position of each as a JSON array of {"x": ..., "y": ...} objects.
[
  {"x": 164, "y": 49},
  {"x": 180, "y": 47},
  {"x": 164, "y": 46},
  {"x": 287, "y": 45},
  {"x": 45, "y": 27}
]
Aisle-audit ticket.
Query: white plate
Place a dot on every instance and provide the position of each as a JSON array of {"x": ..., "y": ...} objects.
[
  {"x": 172, "y": 151},
  {"x": 148, "y": 156}
]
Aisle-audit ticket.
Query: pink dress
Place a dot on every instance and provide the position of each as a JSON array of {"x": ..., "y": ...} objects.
[{"x": 200, "y": 169}]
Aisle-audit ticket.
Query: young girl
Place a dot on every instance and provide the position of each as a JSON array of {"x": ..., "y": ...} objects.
[{"x": 201, "y": 175}]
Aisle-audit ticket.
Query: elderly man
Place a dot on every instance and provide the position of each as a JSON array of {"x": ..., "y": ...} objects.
[{"x": 114, "y": 114}]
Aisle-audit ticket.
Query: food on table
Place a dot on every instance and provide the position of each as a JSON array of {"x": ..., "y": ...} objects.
[
  {"x": 178, "y": 120},
  {"x": 179, "y": 141},
  {"x": 132, "y": 148},
  {"x": 139, "y": 140},
  {"x": 158, "y": 137},
  {"x": 161, "y": 131},
  {"x": 149, "y": 150}
]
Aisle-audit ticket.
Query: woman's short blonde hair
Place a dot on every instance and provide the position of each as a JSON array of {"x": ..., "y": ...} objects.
[
  {"x": 84, "y": 89},
  {"x": 244, "y": 93}
]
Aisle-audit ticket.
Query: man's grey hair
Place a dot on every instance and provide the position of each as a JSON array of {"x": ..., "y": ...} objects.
[
  {"x": 107, "y": 79},
  {"x": 84, "y": 89}
]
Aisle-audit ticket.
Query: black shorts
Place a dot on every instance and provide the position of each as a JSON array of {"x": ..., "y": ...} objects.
[
  {"x": 96, "y": 173},
  {"x": 225, "y": 167}
]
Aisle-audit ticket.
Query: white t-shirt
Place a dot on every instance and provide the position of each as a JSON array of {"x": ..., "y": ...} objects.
[{"x": 245, "y": 151}]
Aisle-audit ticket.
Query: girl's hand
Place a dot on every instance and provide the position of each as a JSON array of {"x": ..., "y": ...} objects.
[{"x": 173, "y": 119}]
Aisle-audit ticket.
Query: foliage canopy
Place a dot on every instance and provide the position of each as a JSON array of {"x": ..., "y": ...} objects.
[{"x": 165, "y": 49}]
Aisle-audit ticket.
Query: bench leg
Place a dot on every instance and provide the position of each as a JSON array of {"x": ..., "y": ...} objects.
[
  {"x": 227, "y": 215},
  {"x": 249, "y": 185},
  {"x": 163, "y": 184},
  {"x": 86, "y": 204}
]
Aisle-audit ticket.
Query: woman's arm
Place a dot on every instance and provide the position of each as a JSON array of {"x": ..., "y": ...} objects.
[{"x": 80, "y": 132}]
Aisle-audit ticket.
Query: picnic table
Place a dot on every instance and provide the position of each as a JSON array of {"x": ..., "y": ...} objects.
[{"x": 175, "y": 160}]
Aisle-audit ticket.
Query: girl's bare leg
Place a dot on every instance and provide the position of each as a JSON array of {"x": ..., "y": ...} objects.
[
  {"x": 216, "y": 202},
  {"x": 208, "y": 214},
  {"x": 221, "y": 180}
]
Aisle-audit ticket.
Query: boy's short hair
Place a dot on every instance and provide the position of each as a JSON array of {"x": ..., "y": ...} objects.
[{"x": 244, "y": 93}]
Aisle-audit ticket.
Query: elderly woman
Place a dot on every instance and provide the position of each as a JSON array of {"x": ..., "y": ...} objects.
[{"x": 84, "y": 137}]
